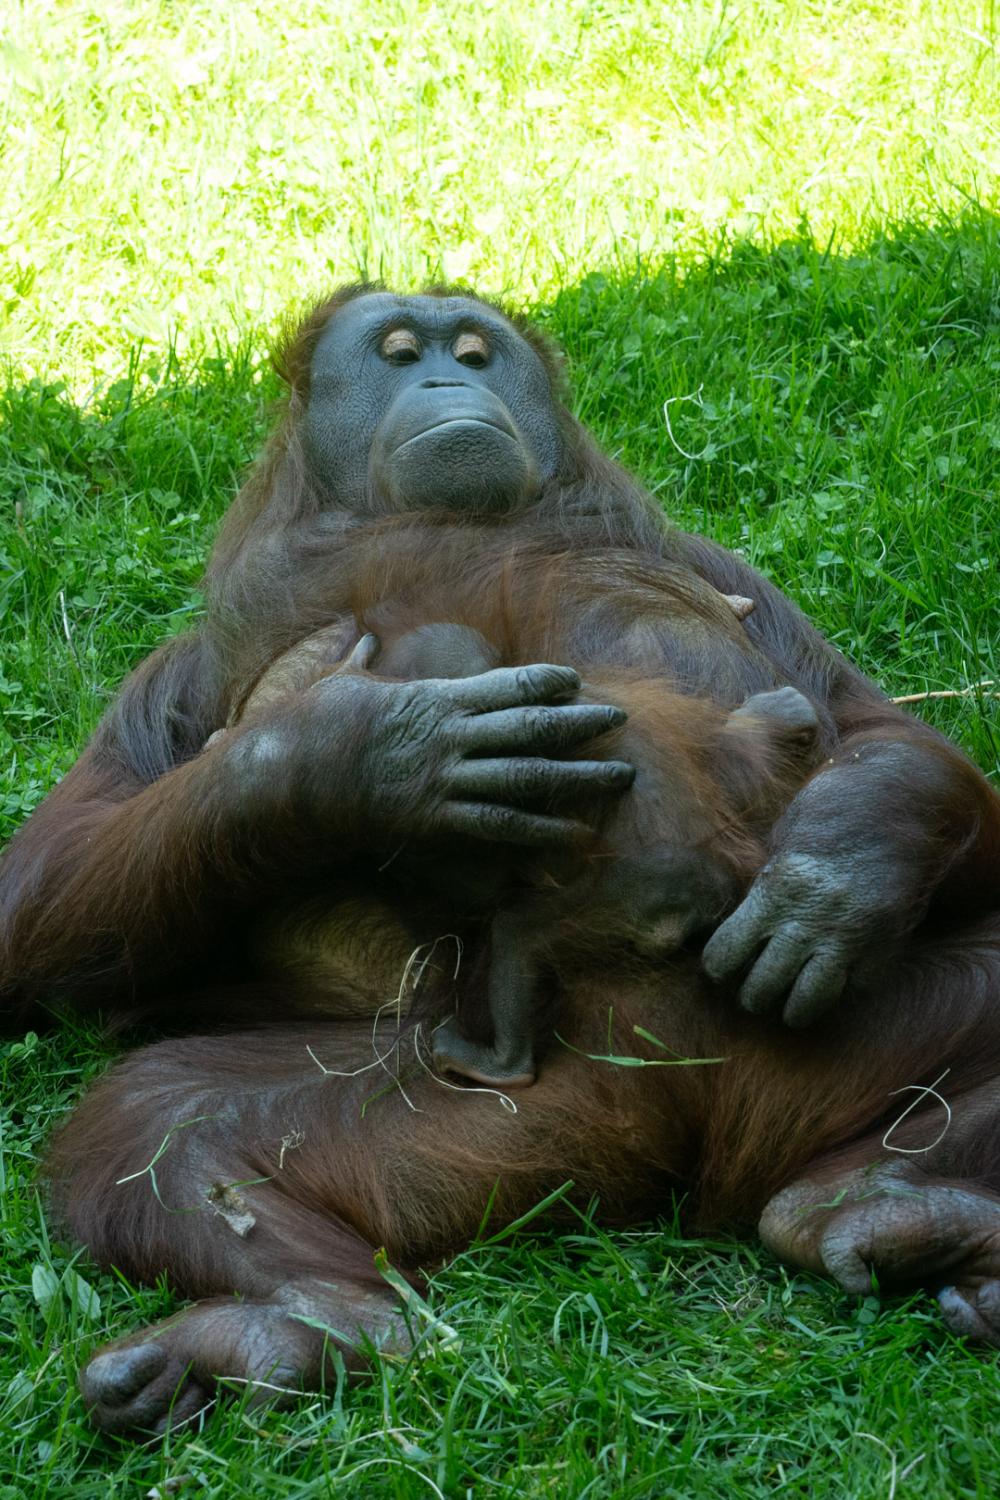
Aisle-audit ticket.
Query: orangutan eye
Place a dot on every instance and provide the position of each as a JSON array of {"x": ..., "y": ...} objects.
[
  {"x": 471, "y": 349},
  {"x": 400, "y": 347}
]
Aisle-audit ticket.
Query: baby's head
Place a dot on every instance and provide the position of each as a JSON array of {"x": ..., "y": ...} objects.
[{"x": 438, "y": 650}]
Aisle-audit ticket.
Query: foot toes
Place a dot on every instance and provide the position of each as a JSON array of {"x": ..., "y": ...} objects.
[
  {"x": 184, "y": 1404},
  {"x": 973, "y": 1311},
  {"x": 115, "y": 1376},
  {"x": 139, "y": 1385}
]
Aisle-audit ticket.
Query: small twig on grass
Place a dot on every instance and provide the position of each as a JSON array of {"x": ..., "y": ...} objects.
[
  {"x": 896, "y": 1476},
  {"x": 966, "y": 692},
  {"x": 696, "y": 398},
  {"x": 67, "y": 632}
]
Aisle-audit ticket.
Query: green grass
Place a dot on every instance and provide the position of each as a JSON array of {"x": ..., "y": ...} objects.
[
  {"x": 172, "y": 177},
  {"x": 177, "y": 168}
]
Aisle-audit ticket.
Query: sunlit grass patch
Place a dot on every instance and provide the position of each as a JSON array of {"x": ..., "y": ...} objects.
[{"x": 171, "y": 171}]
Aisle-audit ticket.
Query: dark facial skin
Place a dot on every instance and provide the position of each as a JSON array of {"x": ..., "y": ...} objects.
[{"x": 421, "y": 403}]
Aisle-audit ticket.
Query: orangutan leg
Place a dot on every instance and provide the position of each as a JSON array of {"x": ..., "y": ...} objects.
[
  {"x": 166, "y": 1374},
  {"x": 259, "y": 1171},
  {"x": 215, "y": 1160}
]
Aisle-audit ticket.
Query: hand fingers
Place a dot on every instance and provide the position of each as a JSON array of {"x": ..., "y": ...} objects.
[
  {"x": 737, "y": 940},
  {"x": 775, "y": 971},
  {"x": 189, "y": 1401},
  {"x": 496, "y": 824},
  {"x": 819, "y": 985},
  {"x": 525, "y": 780},
  {"x": 555, "y": 728},
  {"x": 962, "y": 1315},
  {"x": 506, "y": 687}
]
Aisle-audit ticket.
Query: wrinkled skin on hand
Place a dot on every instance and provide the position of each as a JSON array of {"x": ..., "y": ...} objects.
[
  {"x": 434, "y": 758},
  {"x": 842, "y": 884}
]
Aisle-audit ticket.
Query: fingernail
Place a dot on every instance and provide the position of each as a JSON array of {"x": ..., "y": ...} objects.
[{"x": 621, "y": 771}]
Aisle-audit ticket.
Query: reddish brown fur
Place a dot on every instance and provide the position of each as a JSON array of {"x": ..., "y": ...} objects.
[
  {"x": 708, "y": 787},
  {"x": 413, "y": 1167}
]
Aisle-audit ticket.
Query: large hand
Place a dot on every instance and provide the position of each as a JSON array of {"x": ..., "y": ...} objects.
[
  {"x": 370, "y": 759},
  {"x": 846, "y": 880}
]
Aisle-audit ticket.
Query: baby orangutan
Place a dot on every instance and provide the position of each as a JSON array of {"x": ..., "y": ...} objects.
[{"x": 666, "y": 863}]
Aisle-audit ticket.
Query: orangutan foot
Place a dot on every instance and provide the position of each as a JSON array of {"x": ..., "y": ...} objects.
[
  {"x": 891, "y": 1227},
  {"x": 167, "y": 1374},
  {"x": 497, "y": 1068}
]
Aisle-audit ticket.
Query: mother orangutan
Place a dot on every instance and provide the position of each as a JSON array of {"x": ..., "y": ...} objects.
[{"x": 279, "y": 874}]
